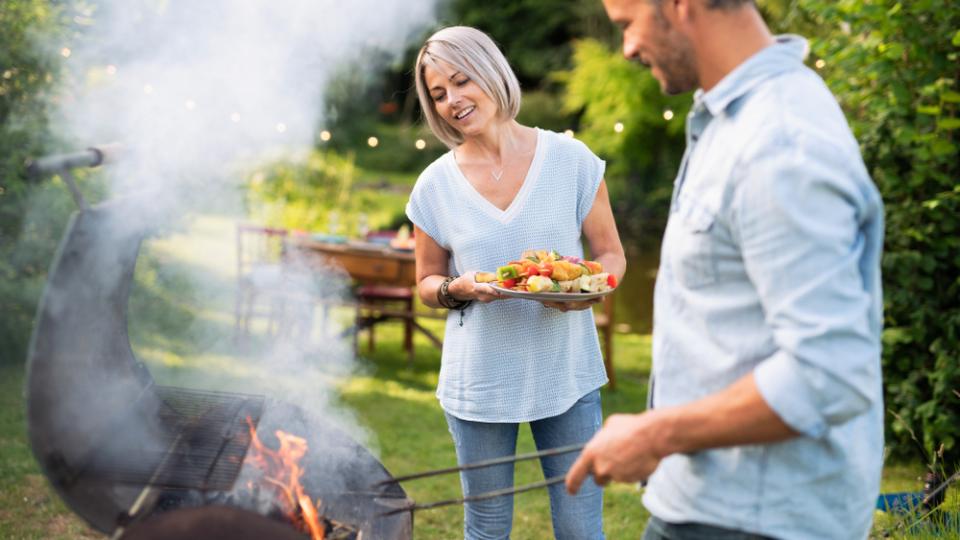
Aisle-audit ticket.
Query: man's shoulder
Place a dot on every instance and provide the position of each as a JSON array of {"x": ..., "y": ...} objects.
[{"x": 794, "y": 109}]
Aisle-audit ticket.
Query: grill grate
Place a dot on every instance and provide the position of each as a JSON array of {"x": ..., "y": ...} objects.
[{"x": 201, "y": 441}]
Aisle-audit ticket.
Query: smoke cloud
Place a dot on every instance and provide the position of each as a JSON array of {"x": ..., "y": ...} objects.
[
  {"x": 194, "y": 87},
  {"x": 197, "y": 92}
]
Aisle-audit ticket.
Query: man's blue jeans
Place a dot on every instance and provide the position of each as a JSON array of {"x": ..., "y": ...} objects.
[
  {"x": 577, "y": 517},
  {"x": 657, "y": 529}
]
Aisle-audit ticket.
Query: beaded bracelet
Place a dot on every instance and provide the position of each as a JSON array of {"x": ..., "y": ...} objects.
[{"x": 447, "y": 300}]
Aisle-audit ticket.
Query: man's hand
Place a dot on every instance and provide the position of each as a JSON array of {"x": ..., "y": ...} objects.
[
  {"x": 630, "y": 446},
  {"x": 626, "y": 449}
]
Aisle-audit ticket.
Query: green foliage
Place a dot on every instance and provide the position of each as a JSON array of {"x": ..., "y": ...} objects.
[
  {"x": 31, "y": 213},
  {"x": 325, "y": 192},
  {"x": 534, "y": 35},
  {"x": 893, "y": 67},
  {"x": 545, "y": 110},
  {"x": 642, "y": 158}
]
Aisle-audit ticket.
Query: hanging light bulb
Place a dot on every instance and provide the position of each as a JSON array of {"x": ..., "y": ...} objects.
[
  {"x": 668, "y": 115},
  {"x": 420, "y": 144},
  {"x": 325, "y": 135},
  {"x": 373, "y": 142},
  {"x": 618, "y": 127}
]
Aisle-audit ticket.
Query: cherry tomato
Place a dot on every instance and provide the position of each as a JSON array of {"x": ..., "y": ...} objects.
[
  {"x": 612, "y": 281},
  {"x": 546, "y": 269},
  {"x": 508, "y": 283}
]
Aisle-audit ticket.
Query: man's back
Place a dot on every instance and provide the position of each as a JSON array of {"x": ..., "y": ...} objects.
[{"x": 770, "y": 265}]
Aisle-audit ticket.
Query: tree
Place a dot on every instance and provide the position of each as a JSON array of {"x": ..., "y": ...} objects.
[
  {"x": 27, "y": 76},
  {"x": 626, "y": 119}
]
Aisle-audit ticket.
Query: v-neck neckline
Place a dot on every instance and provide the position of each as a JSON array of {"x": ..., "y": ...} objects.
[{"x": 510, "y": 212}]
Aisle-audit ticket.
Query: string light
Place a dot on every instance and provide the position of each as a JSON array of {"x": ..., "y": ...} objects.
[
  {"x": 420, "y": 144},
  {"x": 281, "y": 127},
  {"x": 65, "y": 52},
  {"x": 568, "y": 133},
  {"x": 820, "y": 63},
  {"x": 618, "y": 127},
  {"x": 235, "y": 117},
  {"x": 668, "y": 115},
  {"x": 325, "y": 135},
  {"x": 111, "y": 69},
  {"x": 373, "y": 142},
  {"x": 190, "y": 104},
  {"x": 147, "y": 89}
]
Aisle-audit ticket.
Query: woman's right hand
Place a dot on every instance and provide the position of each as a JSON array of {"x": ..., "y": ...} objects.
[{"x": 466, "y": 287}]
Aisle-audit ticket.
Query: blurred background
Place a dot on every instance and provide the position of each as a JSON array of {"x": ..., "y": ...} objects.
[{"x": 328, "y": 140}]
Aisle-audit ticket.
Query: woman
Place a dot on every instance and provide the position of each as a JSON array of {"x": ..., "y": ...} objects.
[{"x": 504, "y": 188}]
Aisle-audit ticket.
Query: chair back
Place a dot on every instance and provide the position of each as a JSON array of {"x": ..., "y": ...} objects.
[{"x": 259, "y": 246}]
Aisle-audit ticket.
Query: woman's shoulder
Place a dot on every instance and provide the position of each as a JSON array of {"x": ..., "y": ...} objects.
[{"x": 565, "y": 144}]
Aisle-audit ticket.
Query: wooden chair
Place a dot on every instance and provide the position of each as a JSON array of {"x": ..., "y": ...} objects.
[
  {"x": 263, "y": 283},
  {"x": 605, "y": 324},
  {"x": 382, "y": 303}
]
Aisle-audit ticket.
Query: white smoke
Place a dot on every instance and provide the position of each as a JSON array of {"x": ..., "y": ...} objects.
[
  {"x": 198, "y": 90},
  {"x": 192, "y": 87}
]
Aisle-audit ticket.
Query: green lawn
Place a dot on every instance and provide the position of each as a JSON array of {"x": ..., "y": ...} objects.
[{"x": 181, "y": 326}]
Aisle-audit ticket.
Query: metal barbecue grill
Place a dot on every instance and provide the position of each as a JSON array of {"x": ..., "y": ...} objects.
[
  {"x": 119, "y": 448},
  {"x": 205, "y": 437}
]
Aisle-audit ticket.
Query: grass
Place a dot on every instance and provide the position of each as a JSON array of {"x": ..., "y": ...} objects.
[{"x": 181, "y": 326}]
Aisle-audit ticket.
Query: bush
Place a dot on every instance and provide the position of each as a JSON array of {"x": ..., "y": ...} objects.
[
  {"x": 27, "y": 240},
  {"x": 643, "y": 157},
  {"x": 893, "y": 67}
]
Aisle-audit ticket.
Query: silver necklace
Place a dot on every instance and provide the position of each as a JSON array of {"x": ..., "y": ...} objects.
[{"x": 498, "y": 174}]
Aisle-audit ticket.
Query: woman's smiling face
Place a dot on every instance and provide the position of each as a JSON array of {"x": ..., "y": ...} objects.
[{"x": 459, "y": 100}]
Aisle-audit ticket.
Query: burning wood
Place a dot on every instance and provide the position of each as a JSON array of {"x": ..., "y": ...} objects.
[{"x": 282, "y": 472}]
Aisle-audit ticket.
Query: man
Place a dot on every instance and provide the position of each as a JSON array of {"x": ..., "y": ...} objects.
[{"x": 765, "y": 413}]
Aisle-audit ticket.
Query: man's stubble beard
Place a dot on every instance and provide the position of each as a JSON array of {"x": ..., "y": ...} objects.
[{"x": 677, "y": 63}]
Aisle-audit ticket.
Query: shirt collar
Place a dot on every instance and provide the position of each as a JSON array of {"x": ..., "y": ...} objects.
[{"x": 786, "y": 53}]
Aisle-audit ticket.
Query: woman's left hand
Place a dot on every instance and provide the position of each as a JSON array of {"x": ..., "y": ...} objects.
[{"x": 572, "y": 306}]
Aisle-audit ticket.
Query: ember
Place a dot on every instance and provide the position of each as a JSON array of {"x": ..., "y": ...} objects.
[{"x": 282, "y": 472}]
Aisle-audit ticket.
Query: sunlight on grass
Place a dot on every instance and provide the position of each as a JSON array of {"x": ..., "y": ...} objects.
[{"x": 362, "y": 386}]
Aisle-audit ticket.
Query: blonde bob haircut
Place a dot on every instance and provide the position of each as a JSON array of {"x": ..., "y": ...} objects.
[{"x": 474, "y": 54}]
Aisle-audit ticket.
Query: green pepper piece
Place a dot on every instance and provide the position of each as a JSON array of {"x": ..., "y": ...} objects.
[{"x": 556, "y": 286}]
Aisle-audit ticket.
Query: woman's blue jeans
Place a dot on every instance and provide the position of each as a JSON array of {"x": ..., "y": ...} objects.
[{"x": 577, "y": 517}]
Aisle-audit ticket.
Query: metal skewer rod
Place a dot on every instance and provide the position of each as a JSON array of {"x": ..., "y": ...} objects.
[
  {"x": 486, "y": 463},
  {"x": 479, "y": 497}
]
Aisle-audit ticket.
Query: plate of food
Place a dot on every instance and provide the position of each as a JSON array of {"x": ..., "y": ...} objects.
[{"x": 545, "y": 275}]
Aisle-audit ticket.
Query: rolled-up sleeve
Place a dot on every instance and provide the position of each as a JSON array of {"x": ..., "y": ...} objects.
[{"x": 800, "y": 216}]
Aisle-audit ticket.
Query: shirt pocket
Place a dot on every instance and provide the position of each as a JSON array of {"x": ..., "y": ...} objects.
[{"x": 694, "y": 246}]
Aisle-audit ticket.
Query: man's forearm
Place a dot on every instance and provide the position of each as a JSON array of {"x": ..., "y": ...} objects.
[{"x": 735, "y": 416}]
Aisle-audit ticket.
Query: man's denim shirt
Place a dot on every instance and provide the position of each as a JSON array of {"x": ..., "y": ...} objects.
[{"x": 771, "y": 264}]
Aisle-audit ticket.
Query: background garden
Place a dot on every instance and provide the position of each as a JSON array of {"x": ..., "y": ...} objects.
[{"x": 892, "y": 65}]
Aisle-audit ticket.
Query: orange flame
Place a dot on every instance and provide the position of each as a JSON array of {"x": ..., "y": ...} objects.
[{"x": 282, "y": 471}]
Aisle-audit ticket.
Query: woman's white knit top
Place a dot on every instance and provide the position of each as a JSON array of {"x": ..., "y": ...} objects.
[{"x": 513, "y": 360}]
